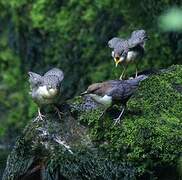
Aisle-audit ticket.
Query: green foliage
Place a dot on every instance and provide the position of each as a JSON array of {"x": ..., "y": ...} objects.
[
  {"x": 72, "y": 35},
  {"x": 171, "y": 20},
  {"x": 87, "y": 165},
  {"x": 3, "y": 157},
  {"x": 145, "y": 145}
]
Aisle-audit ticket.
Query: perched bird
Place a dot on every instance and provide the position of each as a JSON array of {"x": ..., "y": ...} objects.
[
  {"x": 128, "y": 50},
  {"x": 46, "y": 89},
  {"x": 113, "y": 92}
]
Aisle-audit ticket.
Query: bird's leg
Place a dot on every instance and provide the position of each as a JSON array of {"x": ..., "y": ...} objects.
[
  {"x": 117, "y": 120},
  {"x": 136, "y": 72},
  {"x": 40, "y": 116},
  {"x": 124, "y": 69},
  {"x": 103, "y": 113},
  {"x": 58, "y": 112},
  {"x": 121, "y": 77}
]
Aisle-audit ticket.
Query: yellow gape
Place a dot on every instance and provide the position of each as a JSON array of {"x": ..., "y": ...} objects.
[{"x": 117, "y": 61}]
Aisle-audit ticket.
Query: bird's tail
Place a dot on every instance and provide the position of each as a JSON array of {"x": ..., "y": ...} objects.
[
  {"x": 137, "y": 80},
  {"x": 141, "y": 77}
]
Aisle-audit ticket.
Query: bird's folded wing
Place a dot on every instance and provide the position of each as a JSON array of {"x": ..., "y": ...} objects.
[
  {"x": 122, "y": 91},
  {"x": 56, "y": 72}
]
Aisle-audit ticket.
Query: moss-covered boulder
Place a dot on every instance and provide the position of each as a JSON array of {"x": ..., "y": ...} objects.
[{"x": 79, "y": 145}]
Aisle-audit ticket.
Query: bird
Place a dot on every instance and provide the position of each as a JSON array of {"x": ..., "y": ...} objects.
[
  {"x": 46, "y": 89},
  {"x": 128, "y": 50},
  {"x": 111, "y": 92}
]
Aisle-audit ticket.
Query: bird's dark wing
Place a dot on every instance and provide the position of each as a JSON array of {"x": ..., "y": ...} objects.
[
  {"x": 122, "y": 92},
  {"x": 114, "y": 41},
  {"x": 56, "y": 72},
  {"x": 139, "y": 34},
  {"x": 138, "y": 37},
  {"x": 51, "y": 80},
  {"x": 126, "y": 88},
  {"x": 135, "y": 42}
]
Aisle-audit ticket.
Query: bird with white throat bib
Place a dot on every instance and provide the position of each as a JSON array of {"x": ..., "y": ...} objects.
[
  {"x": 113, "y": 92},
  {"x": 46, "y": 89},
  {"x": 126, "y": 51}
]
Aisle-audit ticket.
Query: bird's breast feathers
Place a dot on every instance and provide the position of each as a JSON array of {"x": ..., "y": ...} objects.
[
  {"x": 131, "y": 56},
  {"x": 42, "y": 95},
  {"x": 105, "y": 100},
  {"x": 46, "y": 93}
]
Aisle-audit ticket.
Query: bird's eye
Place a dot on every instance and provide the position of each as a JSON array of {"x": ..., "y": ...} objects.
[{"x": 49, "y": 87}]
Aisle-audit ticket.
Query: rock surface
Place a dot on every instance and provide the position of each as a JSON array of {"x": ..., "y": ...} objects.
[{"x": 79, "y": 145}]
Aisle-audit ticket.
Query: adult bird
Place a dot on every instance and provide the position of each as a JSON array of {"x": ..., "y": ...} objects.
[
  {"x": 113, "y": 92},
  {"x": 129, "y": 50},
  {"x": 46, "y": 89}
]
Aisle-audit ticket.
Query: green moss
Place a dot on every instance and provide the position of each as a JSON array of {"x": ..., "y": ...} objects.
[
  {"x": 3, "y": 156},
  {"x": 145, "y": 144},
  {"x": 151, "y": 130}
]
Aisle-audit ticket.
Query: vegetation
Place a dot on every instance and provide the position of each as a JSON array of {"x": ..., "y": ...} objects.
[
  {"x": 144, "y": 145},
  {"x": 72, "y": 35}
]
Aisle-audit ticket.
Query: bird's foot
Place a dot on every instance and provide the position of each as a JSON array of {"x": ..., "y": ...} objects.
[
  {"x": 121, "y": 77},
  {"x": 117, "y": 120},
  {"x": 101, "y": 116},
  {"x": 103, "y": 113},
  {"x": 58, "y": 112},
  {"x": 41, "y": 117},
  {"x": 136, "y": 74}
]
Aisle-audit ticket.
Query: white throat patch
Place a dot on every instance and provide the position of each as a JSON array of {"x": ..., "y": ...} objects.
[
  {"x": 105, "y": 100},
  {"x": 44, "y": 92}
]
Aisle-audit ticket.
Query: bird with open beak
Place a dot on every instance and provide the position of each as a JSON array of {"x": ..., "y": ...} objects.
[
  {"x": 113, "y": 92},
  {"x": 129, "y": 50},
  {"x": 46, "y": 89}
]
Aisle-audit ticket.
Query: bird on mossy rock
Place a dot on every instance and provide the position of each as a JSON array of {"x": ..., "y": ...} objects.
[
  {"x": 129, "y": 50},
  {"x": 113, "y": 92},
  {"x": 46, "y": 89}
]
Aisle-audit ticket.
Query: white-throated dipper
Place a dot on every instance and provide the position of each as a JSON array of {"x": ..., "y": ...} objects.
[
  {"x": 113, "y": 92},
  {"x": 46, "y": 89},
  {"x": 129, "y": 50}
]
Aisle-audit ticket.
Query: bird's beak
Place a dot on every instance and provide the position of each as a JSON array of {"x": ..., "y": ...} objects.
[
  {"x": 117, "y": 61},
  {"x": 30, "y": 74},
  {"x": 83, "y": 93}
]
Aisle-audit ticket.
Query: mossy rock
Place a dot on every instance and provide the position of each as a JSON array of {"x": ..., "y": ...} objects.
[{"x": 80, "y": 145}]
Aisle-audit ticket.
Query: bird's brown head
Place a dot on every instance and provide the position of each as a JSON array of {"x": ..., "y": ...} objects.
[{"x": 92, "y": 88}]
